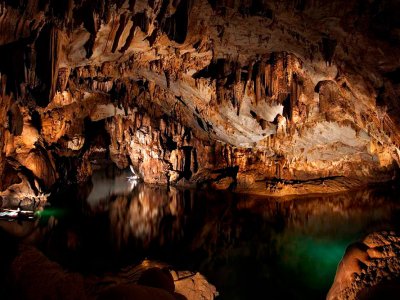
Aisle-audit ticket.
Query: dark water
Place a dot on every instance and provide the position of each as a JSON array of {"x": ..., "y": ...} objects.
[{"x": 244, "y": 245}]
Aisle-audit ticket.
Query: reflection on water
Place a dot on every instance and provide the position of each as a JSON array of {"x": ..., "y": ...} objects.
[
  {"x": 143, "y": 214},
  {"x": 316, "y": 231},
  {"x": 245, "y": 245},
  {"x": 106, "y": 185}
]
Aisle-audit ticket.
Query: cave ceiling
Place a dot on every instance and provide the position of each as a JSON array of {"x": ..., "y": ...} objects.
[{"x": 290, "y": 89}]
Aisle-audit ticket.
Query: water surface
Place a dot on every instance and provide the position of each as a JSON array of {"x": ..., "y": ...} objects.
[{"x": 245, "y": 245}]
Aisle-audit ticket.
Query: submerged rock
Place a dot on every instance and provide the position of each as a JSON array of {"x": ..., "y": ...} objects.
[{"x": 32, "y": 275}]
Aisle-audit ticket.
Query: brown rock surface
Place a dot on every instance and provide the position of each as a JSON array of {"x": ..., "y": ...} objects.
[
  {"x": 370, "y": 269},
  {"x": 252, "y": 90}
]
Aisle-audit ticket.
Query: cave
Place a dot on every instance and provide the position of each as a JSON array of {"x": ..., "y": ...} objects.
[{"x": 198, "y": 149}]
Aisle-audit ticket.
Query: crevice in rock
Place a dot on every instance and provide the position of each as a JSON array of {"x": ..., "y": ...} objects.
[
  {"x": 328, "y": 49},
  {"x": 176, "y": 26},
  {"x": 121, "y": 27}
]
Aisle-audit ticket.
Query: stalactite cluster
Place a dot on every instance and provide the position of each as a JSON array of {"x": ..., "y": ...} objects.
[{"x": 242, "y": 95}]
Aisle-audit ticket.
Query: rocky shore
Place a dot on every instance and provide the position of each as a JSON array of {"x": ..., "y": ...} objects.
[{"x": 370, "y": 269}]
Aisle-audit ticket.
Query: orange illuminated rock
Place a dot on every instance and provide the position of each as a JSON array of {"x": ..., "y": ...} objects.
[{"x": 293, "y": 91}]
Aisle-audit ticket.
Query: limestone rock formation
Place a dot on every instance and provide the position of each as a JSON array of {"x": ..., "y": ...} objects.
[
  {"x": 369, "y": 269},
  {"x": 254, "y": 95}
]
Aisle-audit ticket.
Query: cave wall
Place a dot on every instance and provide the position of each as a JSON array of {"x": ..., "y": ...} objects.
[{"x": 228, "y": 94}]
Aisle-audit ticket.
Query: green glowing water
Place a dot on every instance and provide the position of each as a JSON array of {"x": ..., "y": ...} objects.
[
  {"x": 51, "y": 212},
  {"x": 312, "y": 260}
]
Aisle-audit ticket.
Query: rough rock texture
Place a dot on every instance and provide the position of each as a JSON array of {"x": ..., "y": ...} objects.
[
  {"x": 250, "y": 94},
  {"x": 193, "y": 286},
  {"x": 369, "y": 269}
]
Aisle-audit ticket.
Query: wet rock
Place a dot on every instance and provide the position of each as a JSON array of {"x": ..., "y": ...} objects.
[
  {"x": 368, "y": 267},
  {"x": 193, "y": 286},
  {"x": 223, "y": 184}
]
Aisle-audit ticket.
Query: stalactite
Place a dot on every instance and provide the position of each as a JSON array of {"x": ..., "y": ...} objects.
[
  {"x": 167, "y": 78},
  {"x": 293, "y": 95},
  {"x": 130, "y": 37},
  {"x": 62, "y": 81},
  {"x": 15, "y": 120},
  {"x": 132, "y": 5},
  {"x": 176, "y": 26},
  {"x": 122, "y": 23},
  {"x": 220, "y": 91},
  {"x": 257, "y": 82},
  {"x": 274, "y": 74},
  {"x": 222, "y": 82},
  {"x": 262, "y": 77},
  {"x": 268, "y": 80},
  {"x": 328, "y": 49},
  {"x": 194, "y": 162},
  {"x": 54, "y": 52},
  {"x": 239, "y": 98},
  {"x": 249, "y": 76},
  {"x": 285, "y": 64},
  {"x": 88, "y": 16}
]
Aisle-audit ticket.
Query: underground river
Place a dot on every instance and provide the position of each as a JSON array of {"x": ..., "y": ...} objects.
[{"x": 245, "y": 245}]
